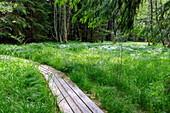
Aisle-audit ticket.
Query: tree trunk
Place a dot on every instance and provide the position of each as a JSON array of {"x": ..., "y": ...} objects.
[
  {"x": 115, "y": 31},
  {"x": 60, "y": 25},
  {"x": 156, "y": 8},
  {"x": 65, "y": 22},
  {"x": 55, "y": 22},
  {"x": 151, "y": 21},
  {"x": 68, "y": 19},
  {"x": 73, "y": 32},
  {"x": 148, "y": 23},
  {"x": 108, "y": 37},
  {"x": 162, "y": 18},
  {"x": 91, "y": 35},
  {"x": 83, "y": 33},
  {"x": 136, "y": 37},
  {"x": 86, "y": 24},
  {"x": 78, "y": 34},
  {"x": 112, "y": 30}
]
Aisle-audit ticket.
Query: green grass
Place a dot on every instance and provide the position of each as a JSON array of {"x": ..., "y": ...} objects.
[
  {"x": 23, "y": 89},
  {"x": 92, "y": 66}
]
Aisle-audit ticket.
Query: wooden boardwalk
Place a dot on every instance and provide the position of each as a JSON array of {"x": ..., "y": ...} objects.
[{"x": 70, "y": 98}]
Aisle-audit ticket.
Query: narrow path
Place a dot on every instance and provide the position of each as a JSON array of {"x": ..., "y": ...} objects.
[{"x": 70, "y": 98}]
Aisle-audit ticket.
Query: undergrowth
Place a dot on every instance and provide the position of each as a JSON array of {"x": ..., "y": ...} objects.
[
  {"x": 145, "y": 71},
  {"x": 23, "y": 89}
]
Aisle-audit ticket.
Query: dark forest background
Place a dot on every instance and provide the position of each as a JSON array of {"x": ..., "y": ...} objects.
[{"x": 24, "y": 21}]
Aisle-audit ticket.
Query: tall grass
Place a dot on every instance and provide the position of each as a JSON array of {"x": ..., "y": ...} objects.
[
  {"x": 145, "y": 71},
  {"x": 23, "y": 89}
]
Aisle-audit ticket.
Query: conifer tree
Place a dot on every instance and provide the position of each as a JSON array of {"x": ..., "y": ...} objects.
[{"x": 28, "y": 21}]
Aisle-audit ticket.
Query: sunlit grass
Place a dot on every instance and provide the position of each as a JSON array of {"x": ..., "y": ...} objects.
[
  {"x": 23, "y": 89},
  {"x": 93, "y": 67}
]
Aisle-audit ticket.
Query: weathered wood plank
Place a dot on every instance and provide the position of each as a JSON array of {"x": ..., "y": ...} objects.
[
  {"x": 93, "y": 107},
  {"x": 67, "y": 97},
  {"x": 77, "y": 100},
  {"x": 69, "y": 100},
  {"x": 63, "y": 105}
]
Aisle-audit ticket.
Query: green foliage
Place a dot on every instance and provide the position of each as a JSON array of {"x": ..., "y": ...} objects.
[
  {"x": 95, "y": 15},
  {"x": 145, "y": 71},
  {"x": 23, "y": 88},
  {"x": 24, "y": 20},
  {"x": 160, "y": 32},
  {"x": 97, "y": 12},
  {"x": 6, "y": 7}
]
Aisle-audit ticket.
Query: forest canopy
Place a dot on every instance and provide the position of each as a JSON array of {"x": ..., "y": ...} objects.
[{"x": 25, "y": 21}]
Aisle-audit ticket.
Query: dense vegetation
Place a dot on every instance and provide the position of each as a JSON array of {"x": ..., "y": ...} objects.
[
  {"x": 124, "y": 76},
  {"x": 82, "y": 20},
  {"x": 152, "y": 22},
  {"x": 93, "y": 66},
  {"x": 23, "y": 88},
  {"x": 24, "y": 21}
]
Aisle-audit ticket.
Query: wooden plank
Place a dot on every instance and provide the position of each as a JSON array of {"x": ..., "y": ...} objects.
[
  {"x": 52, "y": 69},
  {"x": 77, "y": 100},
  {"x": 67, "y": 97},
  {"x": 93, "y": 107},
  {"x": 63, "y": 105},
  {"x": 45, "y": 74},
  {"x": 85, "y": 99},
  {"x": 64, "y": 95},
  {"x": 70, "y": 102}
]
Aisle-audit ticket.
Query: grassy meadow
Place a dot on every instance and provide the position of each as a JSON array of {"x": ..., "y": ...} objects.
[
  {"x": 143, "y": 85},
  {"x": 23, "y": 89}
]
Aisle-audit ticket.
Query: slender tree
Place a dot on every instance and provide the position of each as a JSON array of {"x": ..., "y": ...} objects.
[
  {"x": 60, "y": 25},
  {"x": 151, "y": 20},
  {"x": 68, "y": 18},
  {"x": 65, "y": 22},
  {"x": 156, "y": 10},
  {"x": 55, "y": 22}
]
